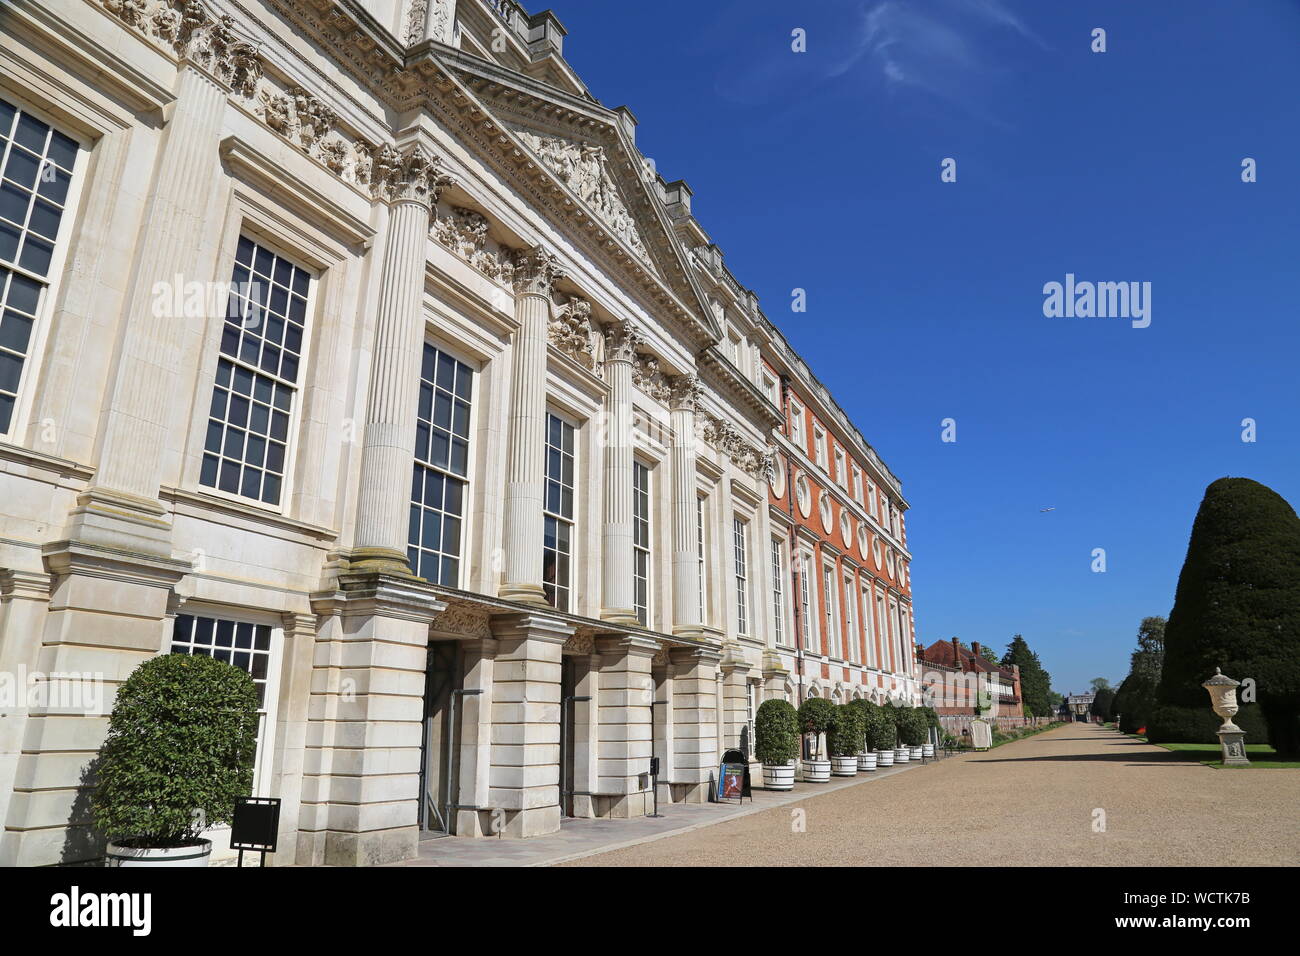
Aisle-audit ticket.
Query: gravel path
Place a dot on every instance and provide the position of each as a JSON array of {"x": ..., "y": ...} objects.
[{"x": 1027, "y": 803}]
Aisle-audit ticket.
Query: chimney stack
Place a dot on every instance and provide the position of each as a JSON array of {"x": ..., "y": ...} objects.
[
  {"x": 956, "y": 654},
  {"x": 975, "y": 648}
]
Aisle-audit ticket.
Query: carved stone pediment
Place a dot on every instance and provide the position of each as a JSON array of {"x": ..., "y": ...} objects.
[{"x": 584, "y": 168}]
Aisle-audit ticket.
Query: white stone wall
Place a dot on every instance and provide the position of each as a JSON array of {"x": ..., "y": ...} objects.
[{"x": 191, "y": 140}]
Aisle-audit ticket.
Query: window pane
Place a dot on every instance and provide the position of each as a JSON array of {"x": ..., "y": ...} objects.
[{"x": 441, "y": 452}]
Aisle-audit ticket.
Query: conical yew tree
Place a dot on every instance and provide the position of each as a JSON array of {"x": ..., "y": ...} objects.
[{"x": 1237, "y": 607}]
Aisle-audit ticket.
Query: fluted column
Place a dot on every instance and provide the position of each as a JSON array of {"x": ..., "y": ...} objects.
[
  {"x": 618, "y": 593},
  {"x": 536, "y": 272},
  {"x": 409, "y": 182},
  {"x": 687, "y": 613}
]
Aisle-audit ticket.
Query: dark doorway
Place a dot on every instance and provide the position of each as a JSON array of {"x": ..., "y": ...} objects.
[
  {"x": 442, "y": 676},
  {"x": 568, "y": 689}
]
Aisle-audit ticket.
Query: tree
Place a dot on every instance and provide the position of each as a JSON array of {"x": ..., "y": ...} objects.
[
  {"x": 1237, "y": 607},
  {"x": 1103, "y": 702},
  {"x": 1098, "y": 684},
  {"x": 989, "y": 654},
  {"x": 1035, "y": 683},
  {"x": 1135, "y": 698}
]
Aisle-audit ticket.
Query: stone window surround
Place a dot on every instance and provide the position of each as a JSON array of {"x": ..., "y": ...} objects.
[{"x": 245, "y": 217}]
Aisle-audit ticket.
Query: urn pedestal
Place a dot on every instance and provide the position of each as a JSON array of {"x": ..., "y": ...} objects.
[{"x": 1223, "y": 698}]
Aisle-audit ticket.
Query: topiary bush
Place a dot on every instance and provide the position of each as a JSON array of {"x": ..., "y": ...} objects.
[
  {"x": 815, "y": 715},
  {"x": 881, "y": 733},
  {"x": 845, "y": 732},
  {"x": 180, "y": 748},
  {"x": 911, "y": 726},
  {"x": 1237, "y": 607},
  {"x": 776, "y": 732}
]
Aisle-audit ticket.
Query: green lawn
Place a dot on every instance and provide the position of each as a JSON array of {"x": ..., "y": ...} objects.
[{"x": 1210, "y": 755}]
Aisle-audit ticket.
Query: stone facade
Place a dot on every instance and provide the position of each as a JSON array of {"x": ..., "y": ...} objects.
[{"x": 352, "y": 342}]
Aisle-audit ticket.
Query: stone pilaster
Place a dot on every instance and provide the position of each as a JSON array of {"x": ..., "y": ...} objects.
[
  {"x": 687, "y": 613},
  {"x": 525, "y": 777},
  {"x": 774, "y": 676},
  {"x": 695, "y": 718},
  {"x": 294, "y": 702},
  {"x": 472, "y": 812},
  {"x": 361, "y": 792},
  {"x": 409, "y": 182},
  {"x": 24, "y": 601},
  {"x": 48, "y": 817},
  {"x": 625, "y": 716},
  {"x": 735, "y": 688},
  {"x": 536, "y": 272},
  {"x": 175, "y": 242},
  {"x": 618, "y": 597}
]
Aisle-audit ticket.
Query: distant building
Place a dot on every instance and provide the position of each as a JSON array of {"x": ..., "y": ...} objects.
[
  {"x": 1078, "y": 706},
  {"x": 959, "y": 681}
]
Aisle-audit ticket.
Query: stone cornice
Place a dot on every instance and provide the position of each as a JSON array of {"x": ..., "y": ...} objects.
[{"x": 728, "y": 377}]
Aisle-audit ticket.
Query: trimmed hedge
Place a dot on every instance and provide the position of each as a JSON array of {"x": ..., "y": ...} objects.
[
  {"x": 1171, "y": 724},
  {"x": 776, "y": 732}
]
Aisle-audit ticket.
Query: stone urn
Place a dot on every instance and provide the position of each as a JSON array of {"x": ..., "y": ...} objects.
[{"x": 1223, "y": 699}]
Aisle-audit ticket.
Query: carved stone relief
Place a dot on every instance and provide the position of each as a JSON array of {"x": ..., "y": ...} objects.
[
  {"x": 583, "y": 167},
  {"x": 647, "y": 376},
  {"x": 571, "y": 331}
]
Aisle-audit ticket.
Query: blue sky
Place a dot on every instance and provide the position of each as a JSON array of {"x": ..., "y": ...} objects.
[{"x": 821, "y": 170}]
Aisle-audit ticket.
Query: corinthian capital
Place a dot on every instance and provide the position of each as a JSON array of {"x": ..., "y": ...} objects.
[
  {"x": 412, "y": 175},
  {"x": 621, "y": 340},
  {"x": 685, "y": 394},
  {"x": 536, "y": 271}
]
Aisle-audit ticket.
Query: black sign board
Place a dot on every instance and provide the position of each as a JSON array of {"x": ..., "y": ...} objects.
[{"x": 256, "y": 826}]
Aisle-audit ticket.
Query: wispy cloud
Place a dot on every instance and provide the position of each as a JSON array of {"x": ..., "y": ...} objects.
[{"x": 944, "y": 49}]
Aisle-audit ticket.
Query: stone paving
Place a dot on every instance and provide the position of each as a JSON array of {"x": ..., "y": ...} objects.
[{"x": 579, "y": 839}]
